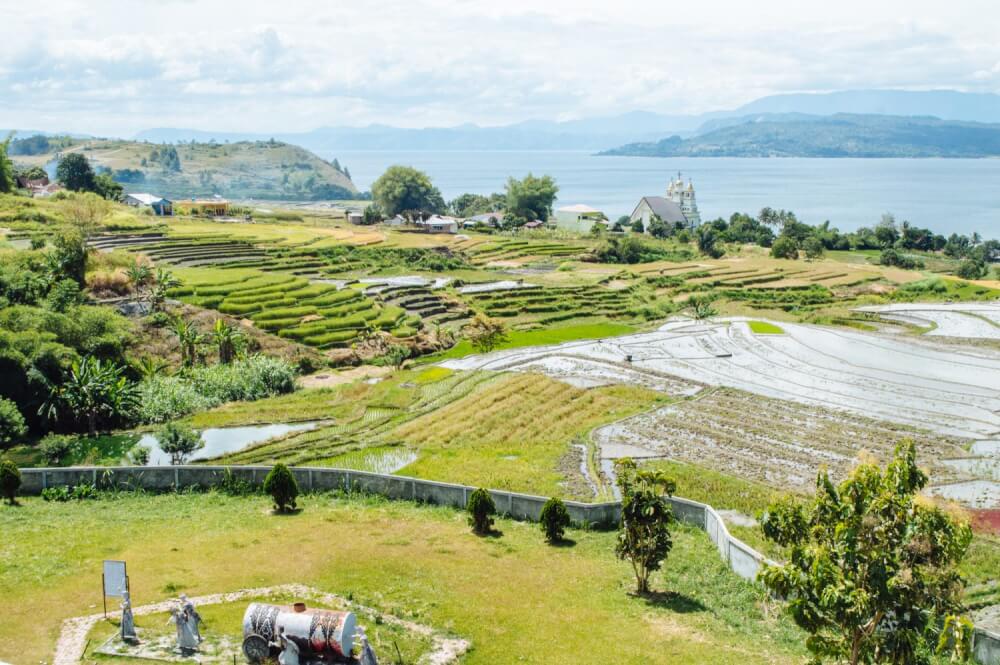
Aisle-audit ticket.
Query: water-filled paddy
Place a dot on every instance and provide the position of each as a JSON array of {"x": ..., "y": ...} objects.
[{"x": 221, "y": 440}]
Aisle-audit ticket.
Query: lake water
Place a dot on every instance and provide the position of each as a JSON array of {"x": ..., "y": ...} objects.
[{"x": 947, "y": 195}]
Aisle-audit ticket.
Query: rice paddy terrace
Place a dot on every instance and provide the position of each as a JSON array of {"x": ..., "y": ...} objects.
[
  {"x": 317, "y": 314},
  {"x": 829, "y": 393}
]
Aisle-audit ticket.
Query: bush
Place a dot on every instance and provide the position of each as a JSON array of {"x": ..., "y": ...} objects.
[
  {"x": 178, "y": 441},
  {"x": 972, "y": 269},
  {"x": 12, "y": 426},
  {"x": 281, "y": 485},
  {"x": 554, "y": 519},
  {"x": 57, "y": 448},
  {"x": 481, "y": 510},
  {"x": 63, "y": 493},
  {"x": 10, "y": 480},
  {"x": 784, "y": 248}
]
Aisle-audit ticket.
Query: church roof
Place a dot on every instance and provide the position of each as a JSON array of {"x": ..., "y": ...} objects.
[{"x": 665, "y": 209}]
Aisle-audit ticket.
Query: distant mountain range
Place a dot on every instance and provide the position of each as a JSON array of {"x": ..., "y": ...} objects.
[
  {"x": 839, "y": 135},
  {"x": 602, "y": 133}
]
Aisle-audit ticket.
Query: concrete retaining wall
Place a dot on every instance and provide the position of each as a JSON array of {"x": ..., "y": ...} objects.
[{"x": 742, "y": 559}]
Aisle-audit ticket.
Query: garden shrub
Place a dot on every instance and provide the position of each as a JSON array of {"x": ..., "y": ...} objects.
[
  {"x": 77, "y": 493},
  {"x": 554, "y": 519},
  {"x": 56, "y": 449},
  {"x": 179, "y": 441},
  {"x": 481, "y": 510},
  {"x": 281, "y": 485},
  {"x": 12, "y": 425},
  {"x": 10, "y": 480}
]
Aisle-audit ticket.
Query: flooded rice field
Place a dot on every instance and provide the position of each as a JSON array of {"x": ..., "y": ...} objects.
[
  {"x": 964, "y": 320},
  {"x": 948, "y": 391},
  {"x": 775, "y": 407},
  {"x": 222, "y": 440}
]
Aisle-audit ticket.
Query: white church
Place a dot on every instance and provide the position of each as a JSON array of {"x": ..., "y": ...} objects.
[{"x": 679, "y": 205}]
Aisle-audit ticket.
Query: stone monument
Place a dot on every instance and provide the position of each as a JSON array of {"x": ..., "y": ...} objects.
[{"x": 128, "y": 621}]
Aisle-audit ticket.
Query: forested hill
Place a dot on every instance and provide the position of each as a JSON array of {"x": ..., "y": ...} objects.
[
  {"x": 245, "y": 169},
  {"x": 841, "y": 135}
]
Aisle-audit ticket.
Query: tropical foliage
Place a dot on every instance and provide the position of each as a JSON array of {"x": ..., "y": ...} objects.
[{"x": 871, "y": 564}]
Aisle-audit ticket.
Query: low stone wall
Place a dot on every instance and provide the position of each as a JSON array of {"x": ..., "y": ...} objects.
[{"x": 742, "y": 559}]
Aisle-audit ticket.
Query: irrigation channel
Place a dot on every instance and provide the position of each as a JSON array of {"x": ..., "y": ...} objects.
[{"x": 774, "y": 407}]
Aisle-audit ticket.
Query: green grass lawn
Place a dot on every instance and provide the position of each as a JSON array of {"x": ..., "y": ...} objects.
[
  {"x": 519, "y": 338},
  {"x": 516, "y": 598},
  {"x": 765, "y": 328}
]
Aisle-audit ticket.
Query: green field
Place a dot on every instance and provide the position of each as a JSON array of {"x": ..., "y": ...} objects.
[
  {"x": 554, "y": 335},
  {"x": 765, "y": 328},
  {"x": 510, "y": 595}
]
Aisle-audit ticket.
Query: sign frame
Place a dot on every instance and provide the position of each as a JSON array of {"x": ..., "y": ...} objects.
[{"x": 114, "y": 580}]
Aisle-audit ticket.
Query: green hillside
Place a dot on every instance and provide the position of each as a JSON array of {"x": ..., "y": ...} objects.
[
  {"x": 246, "y": 169},
  {"x": 840, "y": 135}
]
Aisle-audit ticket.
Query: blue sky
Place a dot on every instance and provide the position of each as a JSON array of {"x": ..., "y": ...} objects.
[{"x": 115, "y": 67}]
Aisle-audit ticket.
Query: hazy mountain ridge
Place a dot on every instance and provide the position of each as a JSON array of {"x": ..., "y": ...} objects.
[
  {"x": 605, "y": 132},
  {"x": 246, "y": 169},
  {"x": 840, "y": 135}
]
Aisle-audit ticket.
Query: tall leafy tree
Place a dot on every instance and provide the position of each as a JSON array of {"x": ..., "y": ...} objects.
[
  {"x": 404, "y": 189},
  {"x": 75, "y": 173},
  {"x": 870, "y": 565},
  {"x": 531, "y": 197},
  {"x": 644, "y": 535},
  {"x": 6, "y": 167}
]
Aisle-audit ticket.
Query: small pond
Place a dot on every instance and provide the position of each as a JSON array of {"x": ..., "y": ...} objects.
[{"x": 221, "y": 440}]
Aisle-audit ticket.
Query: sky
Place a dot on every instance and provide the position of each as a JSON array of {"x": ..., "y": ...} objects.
[{"x": 115, "y": 67}]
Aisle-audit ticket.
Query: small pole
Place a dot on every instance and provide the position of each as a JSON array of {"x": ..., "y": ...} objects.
[{"x": 103, "y": 597}]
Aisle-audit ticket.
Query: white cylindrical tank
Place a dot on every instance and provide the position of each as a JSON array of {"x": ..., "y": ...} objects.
[{"x": 316, "y": 631}]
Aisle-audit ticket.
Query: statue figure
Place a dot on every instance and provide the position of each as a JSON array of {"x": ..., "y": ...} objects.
[
  {"x": 289, "y": 649},
  {"x": 367, "y": 656},
  {"x": 128, "y": 621},
  {"x": 187, "y": 643},
  {"x": 193, "y": 617}
]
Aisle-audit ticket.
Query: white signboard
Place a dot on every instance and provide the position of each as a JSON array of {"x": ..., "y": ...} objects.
[{"x": 115, "y": 580}]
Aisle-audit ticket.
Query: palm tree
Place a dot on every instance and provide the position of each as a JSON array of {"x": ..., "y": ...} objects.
[
  {"x": 227, "y": 338},
  {"x": 164, "y": 281},
  {"x": 701, "y": 307},
  {"x": 188, "y": 336},
  {"x": 139, "y": 275},
  {"x": 148, "y": 367},
  {"x": 93, "y": 389}
]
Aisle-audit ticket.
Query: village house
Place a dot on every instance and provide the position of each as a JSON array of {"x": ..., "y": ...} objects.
[
  {"x": 579, "y": 217},
  {"x": 213, "y": 207},
  {"x": 158, "y": 204},
  {"x": 39, "y": 187},
  {"x": 439, "y": 224}
]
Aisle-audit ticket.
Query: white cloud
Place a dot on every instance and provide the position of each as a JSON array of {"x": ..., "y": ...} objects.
[{"x": 117, "y": 66}]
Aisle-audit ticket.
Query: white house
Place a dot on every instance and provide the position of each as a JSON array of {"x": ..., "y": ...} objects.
[
  {"x": 159, "y": 205},
  {"x": 440, "y": 224},
  {"x": 579, "y": 217}
]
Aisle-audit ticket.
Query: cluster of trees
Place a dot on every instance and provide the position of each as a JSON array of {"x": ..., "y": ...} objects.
[
  {"x": 790, "y": 238},
  {"x": 167, "y": 157},
  {"x": 75, "y": 173},
  {"x": 403, "y": 190}
]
